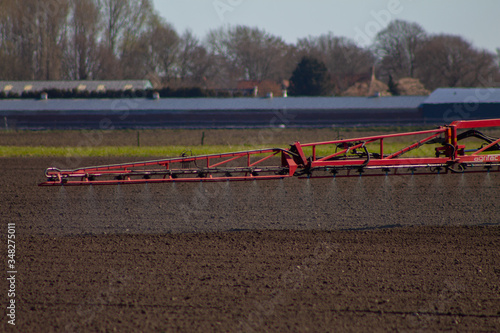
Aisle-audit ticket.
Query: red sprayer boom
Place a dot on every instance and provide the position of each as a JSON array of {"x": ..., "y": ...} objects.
[{"x": 343, "y": 158}]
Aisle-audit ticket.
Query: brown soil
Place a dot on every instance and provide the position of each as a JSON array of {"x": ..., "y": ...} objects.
[
  {"x": 359, "y": 254},
  {"x": 271, "y": 136}
]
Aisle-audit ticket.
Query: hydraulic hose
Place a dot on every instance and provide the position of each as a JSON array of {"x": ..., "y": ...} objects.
[{"x": 367, "y": 156}]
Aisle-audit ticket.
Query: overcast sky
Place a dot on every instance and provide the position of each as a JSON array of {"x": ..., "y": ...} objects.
[{"x": 477, "y": 21}]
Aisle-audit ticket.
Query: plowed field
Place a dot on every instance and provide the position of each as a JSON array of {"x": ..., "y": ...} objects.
[{"x": 359, "y": 254}]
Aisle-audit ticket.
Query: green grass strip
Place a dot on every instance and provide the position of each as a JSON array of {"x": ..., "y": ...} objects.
[
  {"x": 174, "y": 151},
  {"x": 123, "y": 151}
]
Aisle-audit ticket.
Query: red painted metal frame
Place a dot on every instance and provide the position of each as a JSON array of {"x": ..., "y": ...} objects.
[
  {"x": 176, "y": 170},
  {"x": 293, "y": 162},
  {"x": 383, "y": 160}
]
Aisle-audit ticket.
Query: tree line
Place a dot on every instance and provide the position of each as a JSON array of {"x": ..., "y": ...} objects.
[{"x": 128, "y": 39}]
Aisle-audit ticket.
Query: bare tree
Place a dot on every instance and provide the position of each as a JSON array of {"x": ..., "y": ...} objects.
[
  {"x": 152, "y": 51},
  {"x": 108, "y": 66},
  {"x": 123, "y": 18},
  {"x": 118, "y": 39},
  {"x": 50, "y": 21},
  {"x": 346, "y": 62},
  {"x": 250, "y": 53},
  {"x": 115, "y": 17},
  {"x": 32, "y": 38},
  {"x": 10, "y": 49},
  {"x": 258, "y": 53},
  {"x": 164, "y": 47},
  {"x": 187, "y": 48},
  {"x": 451, "y": 61},
  {"x": 81, "y": 56},
  {"x": 397, "y": 47},
  {"x": 217, "y": 47}
]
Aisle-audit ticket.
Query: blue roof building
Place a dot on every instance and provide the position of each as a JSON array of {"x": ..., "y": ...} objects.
[
  {"x": 442, "y": 107},
  {"x": 445, "y": 105},
  {"x": 211, "y": 112}
]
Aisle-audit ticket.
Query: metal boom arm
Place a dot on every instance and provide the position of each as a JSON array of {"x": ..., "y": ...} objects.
[{"x": 351, "y": 158}]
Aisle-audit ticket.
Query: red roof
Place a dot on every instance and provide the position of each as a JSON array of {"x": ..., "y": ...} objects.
[{"x": 247, "y": 84}]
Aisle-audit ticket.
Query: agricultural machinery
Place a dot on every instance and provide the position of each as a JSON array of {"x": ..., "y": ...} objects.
[{"x": 364, "y": 156}]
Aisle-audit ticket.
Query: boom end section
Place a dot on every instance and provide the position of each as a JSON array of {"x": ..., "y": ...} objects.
[{"x": 261, "y": 164}]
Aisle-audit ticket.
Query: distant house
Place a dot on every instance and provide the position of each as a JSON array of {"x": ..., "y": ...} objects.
[
  {"x": 248, "y": 87},
  {"x": 371, "y": 87},
  {"x": 271, "y": 88},
  {"x": 254, "y": 88},
  {"x": 19, "y": 87},
  {"x": 408, "y": 86}
]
